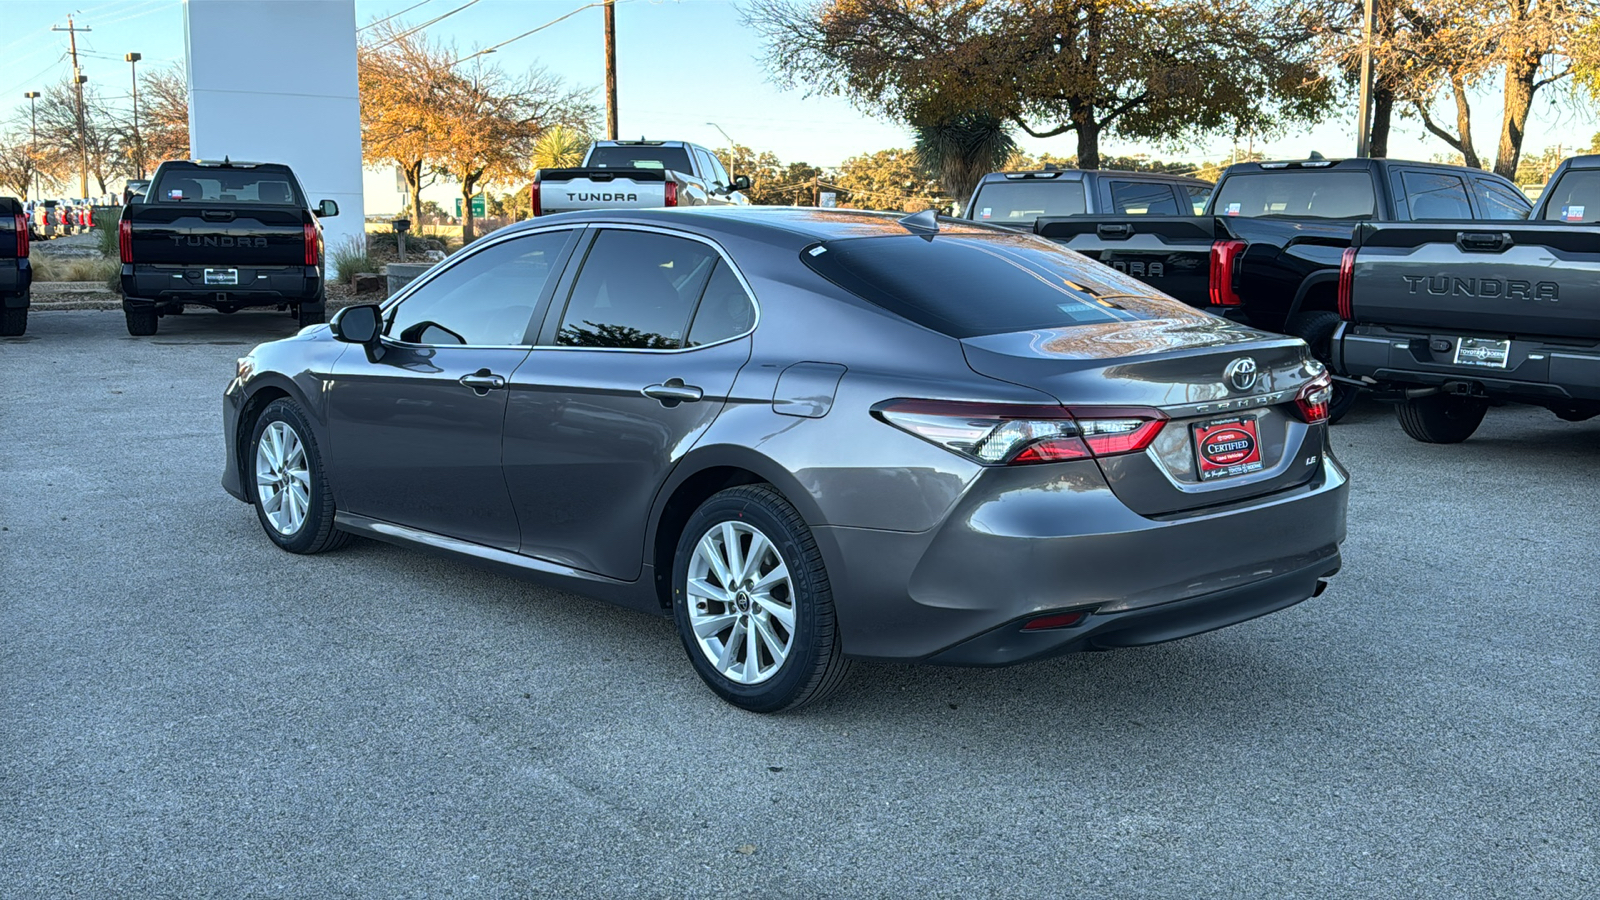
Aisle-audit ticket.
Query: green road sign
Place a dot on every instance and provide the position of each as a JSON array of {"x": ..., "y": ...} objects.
[{"x": 477, "y": 207}]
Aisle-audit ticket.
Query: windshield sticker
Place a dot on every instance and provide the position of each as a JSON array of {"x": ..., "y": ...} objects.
[
  {"x": 1234, "y": 209},
  {"x": 1572, "y": 213},
  {"x": 988, "y": 211},
  {"x": 174, "y": 194}
]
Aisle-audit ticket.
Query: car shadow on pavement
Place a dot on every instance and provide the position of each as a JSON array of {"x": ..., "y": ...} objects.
[{"x": 195, "y": 326}]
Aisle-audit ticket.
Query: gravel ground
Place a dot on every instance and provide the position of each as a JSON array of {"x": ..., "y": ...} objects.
[{"x": 189, "y": 712}]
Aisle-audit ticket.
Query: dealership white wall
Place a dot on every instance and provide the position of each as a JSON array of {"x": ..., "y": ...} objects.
[{"x": 275, "y": 81}]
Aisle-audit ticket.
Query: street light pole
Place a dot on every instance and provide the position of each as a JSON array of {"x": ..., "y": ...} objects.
[
  {"x": 33, "y": 143},
  {"x": 138, "y": 144},
  {"x": 730, "y": 140}
]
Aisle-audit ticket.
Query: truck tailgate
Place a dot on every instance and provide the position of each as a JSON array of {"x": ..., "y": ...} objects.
[
  {"x": 203, "y": 234},
  {"x": 1170, "y": 253},
  {"x": 567, "y": 190},
  {"x": 1503, "y": 278}
]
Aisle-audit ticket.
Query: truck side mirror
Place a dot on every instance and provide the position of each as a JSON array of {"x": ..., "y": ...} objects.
[
  {"x": 356, "y": 324},
  {"x": 741, "y": 183},
  {"x": 327, "y": 209}
]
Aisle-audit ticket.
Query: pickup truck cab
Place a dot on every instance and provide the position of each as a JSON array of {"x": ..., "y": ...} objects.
[
  {"x": 1267, "y": 249},
  {"x": 1451, "y": 317},
  {"x": 638, "y": 175},
  {"x": 226, "y": 235},
  {"x": 1019, "y": 199},
  {"x": 16, "y": 273}
]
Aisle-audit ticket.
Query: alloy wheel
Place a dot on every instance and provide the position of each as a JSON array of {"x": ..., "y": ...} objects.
[
  {"x": 741, "y": 602},
  {"x": 283, "y": 481}
]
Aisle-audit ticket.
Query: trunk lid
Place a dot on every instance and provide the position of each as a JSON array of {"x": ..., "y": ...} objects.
[{"x": 206, "y": 234}]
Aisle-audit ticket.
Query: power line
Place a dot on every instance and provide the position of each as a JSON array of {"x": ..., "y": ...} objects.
[
  {"x": 396, "y": 15},
  {"x": 432, "y": 21},
  {"x": 533, "y": 30}
]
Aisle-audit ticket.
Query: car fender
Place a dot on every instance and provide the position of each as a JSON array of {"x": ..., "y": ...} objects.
[{"x": 714, "y": 456}]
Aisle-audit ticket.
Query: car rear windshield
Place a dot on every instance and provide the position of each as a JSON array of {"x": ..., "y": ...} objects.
[
  {"x": 971, "y": 285},
  {"x": 226, "y": 185},
  {"x": 1575, "y": 198},
  {"x": 1300, "y": 193},
  {"x": 674, "y": 158},
  {"x": 1021, "y": 202}
]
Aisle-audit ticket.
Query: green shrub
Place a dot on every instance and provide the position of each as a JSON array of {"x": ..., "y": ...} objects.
[
  {"x": 107, "y": 235},
  {"x": 48, "y": 268},
  {"x": 351, "y": 256}
]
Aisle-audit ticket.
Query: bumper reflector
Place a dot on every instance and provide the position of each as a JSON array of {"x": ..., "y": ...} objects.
[{"x": 1055, "y": 620}]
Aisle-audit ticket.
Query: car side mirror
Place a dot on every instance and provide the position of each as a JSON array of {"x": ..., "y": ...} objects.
[
  {"x": 741, "y": 183},
  {"x": 327, "y": 209},
  {"x": 357, "y": 324}
]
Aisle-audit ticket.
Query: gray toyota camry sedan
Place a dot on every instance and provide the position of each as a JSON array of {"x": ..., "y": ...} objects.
[{"x": 809, "y": 436}]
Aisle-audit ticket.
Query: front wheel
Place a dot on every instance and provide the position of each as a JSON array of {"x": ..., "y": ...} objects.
[
  {"x": 753, "y": 605},
  {"x": 1316, "y": 329},
  {"x": 287, "y": 485},
  {"x": 1441, "y": 418}
]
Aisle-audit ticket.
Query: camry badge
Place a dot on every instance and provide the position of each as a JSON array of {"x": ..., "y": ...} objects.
[{"x": 1241, "y": 373}]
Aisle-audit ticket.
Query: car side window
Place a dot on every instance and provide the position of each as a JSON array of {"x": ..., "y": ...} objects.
[
  {"x": 1501, "y": 202},
  {"x": 725, "y": 309},
  {"x": 708, "y": 169},
  {"x": 487, "y": 299},
  {"x": 723, "y": 177},
  {"x": 1143, "y": 198},
  {"x": 1199, "y": 196},
  {"x": 1436, "y": 195},
  {"x": 636, "y": 291}
]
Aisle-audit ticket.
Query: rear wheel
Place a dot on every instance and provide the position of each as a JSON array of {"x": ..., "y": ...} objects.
[
  {"x": 1441, "y": 418},
  {"x": 311, "y": 313},
  {"x": 753, "y": 605},
  {"x": 141, "y": 319},
  {"x": 13, "y": 321},
  {"x": 286, "y": 482},
  {"x": 1316, "y": 329}
]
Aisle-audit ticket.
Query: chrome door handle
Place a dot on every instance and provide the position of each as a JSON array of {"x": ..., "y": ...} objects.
[
  {"x": 673, "y": 392},
  {"x": 483, "y": 381}
]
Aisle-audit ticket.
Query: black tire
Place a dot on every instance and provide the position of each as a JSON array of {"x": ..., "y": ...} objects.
[
  {"x": 1441, "y": 418},
  {"x": 311, "y": 313},
  {"x": 815, "y": 665},
  {"x": 1316, "y": 328},
  {"x": 142, "y": 321},
  {"x": 14, "y": 321},
  {"x": 316, "y": 532}
]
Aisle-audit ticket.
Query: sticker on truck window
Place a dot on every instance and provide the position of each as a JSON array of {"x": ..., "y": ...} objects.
[
  {"x": 988, "y": 211},
  {"x": 174, "y": 194},
  {"x": 1234, "y": 209},
  {"x": 1572, "y": 213}
]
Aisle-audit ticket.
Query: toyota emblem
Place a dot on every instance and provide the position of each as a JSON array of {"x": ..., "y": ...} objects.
[{"x": 1241, "y": 373}]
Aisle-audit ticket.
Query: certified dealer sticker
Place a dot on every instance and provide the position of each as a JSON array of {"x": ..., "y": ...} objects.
[{"x": 1227, "y": 447}]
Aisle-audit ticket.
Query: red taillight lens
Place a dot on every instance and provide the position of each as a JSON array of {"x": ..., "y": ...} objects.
[
  {"x": 1224, "y": 256},
  {"x": 125, "y": 240},
  {"x": 313, "y": 251},
  {"x": 1013, "y": 435},
  {"x": 21, "y": 222},
  {"x": 672, "y": 193},
  {"x": 533, "y": 199},
  {"x": 1314, "y": 399},
  {"x": 1055, "y": 620},
  {"x": 1347, "y": 284}
]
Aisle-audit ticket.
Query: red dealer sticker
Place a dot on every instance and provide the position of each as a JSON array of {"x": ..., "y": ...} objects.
[{"x": 1227, "y": 447}]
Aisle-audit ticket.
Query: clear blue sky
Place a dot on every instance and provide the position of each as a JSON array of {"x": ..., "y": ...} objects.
[{"x": 681, "y": 64}]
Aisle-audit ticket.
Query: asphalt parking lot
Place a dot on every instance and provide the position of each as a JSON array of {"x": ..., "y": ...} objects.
[{"x": 186, "y": 711}]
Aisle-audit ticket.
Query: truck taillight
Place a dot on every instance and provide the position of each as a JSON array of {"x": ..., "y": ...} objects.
[
  {"x": 1347, "y": 284},
  {"x": 1012, "y": 435},
  {"x": 22, "y": 235},
  {"x": 313, "y": 245},
  {"x": 1224, "y": 255},
  {"x": 125, "y": 240},
  {"x": 533, "y": 199},
  {"x": 672, "y": 193}
]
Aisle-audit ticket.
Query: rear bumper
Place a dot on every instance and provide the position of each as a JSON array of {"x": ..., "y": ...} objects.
[
  {"x": 1018, "y": 547},
  {"x": 151, "y": 285},
  {"x": 1536, "y": 371}
]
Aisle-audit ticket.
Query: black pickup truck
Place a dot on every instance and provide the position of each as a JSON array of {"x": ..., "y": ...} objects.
[
  {"x": 1267, "y": 249},
  {"x": 226, "y": 235},
  {"x": 1451, "y": 317},
  {"x": 1019, "y": 199},
  {"x": 16, "y": 273}
]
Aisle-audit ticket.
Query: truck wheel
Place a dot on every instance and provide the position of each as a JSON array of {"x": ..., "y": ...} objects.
[
  {"x": 14, "y": 322},
  {"x": 1316, "y": 329},
  {"x": 1441, "y": 418},
  {"x": 141, "y": 319},
  {"x": 311, "y": 313}
]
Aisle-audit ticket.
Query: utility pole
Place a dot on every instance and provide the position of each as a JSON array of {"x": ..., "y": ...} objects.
[
  {"x": 78, "y": 78},
  {"x": 138, "y": 143},
  {"x": 611, "y": 69},
  {"x": 1364, "y": 126},
  {"x": 33, "y": 144}
]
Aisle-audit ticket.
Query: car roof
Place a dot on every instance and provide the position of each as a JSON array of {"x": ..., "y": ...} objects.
[
  {"x": 1584, "y": 162},
  {"x": 1079, "y": 174},
  {"x": 799, "y": 224}
]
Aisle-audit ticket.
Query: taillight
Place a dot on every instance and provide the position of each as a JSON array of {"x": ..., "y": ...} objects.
[
  {"x": 125, "y": 240},
  {"x": 1014, "y": 435},
  {"x": 533, "y": 199},
  {"x": 313, "y": 245},
  {"x": 672, "y": 193},
  {"x": 22, "y": 236},
  {"x": 1224, "y": 254},
  {"x": 1347, "y": 284},
  {"x": 1314, "y": 397}
]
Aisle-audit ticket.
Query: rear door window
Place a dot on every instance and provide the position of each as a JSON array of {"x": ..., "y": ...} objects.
[
  {"x": 1199, "y": 195},
  {"x": 1435, "y": 195},
  {"x": 628, "y": 157},
  {"x": 1023, "y": 201},
  {"x": 725, "y": 309},
  {"x": 1575, "y": 198},
  {"x": 636, "y": 291},
  {"x": 707, "y": 170},
  {"x": 1143, "y": 198},
  {"x": 1501, "y": 202},
  {"x": 1298, "y": 193},
  {"x": 487, "y": 299},
  {"x": 222, "y": 185}
]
